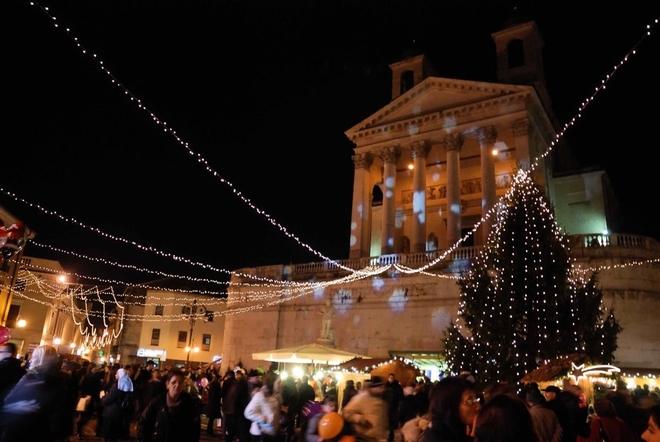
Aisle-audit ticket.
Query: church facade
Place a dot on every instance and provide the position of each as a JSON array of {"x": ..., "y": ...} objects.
[{"x": 429, "y": 168}]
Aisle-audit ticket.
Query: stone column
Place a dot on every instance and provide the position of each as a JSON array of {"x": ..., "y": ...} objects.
[
  {"x": 419, "y": 151},
  {"x": 453, "y": 144},
  {"x": 360, "y": 242},
  {"x": 486, "y": 137},
  {"x": 390, "y": 156},
  {"x": 521, "y": 133}
]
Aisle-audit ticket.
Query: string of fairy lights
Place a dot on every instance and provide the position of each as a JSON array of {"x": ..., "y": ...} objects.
[{"x": 273, "y": 291}]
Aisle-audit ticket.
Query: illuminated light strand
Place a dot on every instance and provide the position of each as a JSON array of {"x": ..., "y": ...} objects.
[
  {"x": 536, "y": 162},
  {"x": 473, "y": 230},
  {"x": 200, "y": 159},
  {"x": 179, "y": 318},
  {"x": 246, "y": 296},
  {"x": 167, "y": 275}
]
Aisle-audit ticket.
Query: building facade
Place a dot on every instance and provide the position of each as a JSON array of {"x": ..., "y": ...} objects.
[{"x": 429, "y": 167}]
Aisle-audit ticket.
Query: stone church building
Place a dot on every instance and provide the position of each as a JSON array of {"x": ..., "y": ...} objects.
[{"x": 429, "y": 166}]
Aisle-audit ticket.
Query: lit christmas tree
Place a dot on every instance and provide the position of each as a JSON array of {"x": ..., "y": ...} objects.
[{"x": 520, "y": 300}]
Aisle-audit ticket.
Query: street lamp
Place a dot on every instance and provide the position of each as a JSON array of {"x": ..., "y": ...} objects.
[{"x": 192, "y": 311}]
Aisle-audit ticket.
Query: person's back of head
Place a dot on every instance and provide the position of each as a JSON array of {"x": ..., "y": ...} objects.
[
  {"x": 533, "y": 396},
  {"x": 505, "y": 418},
  {"x": 604, "y": 408},
  {"x": 8, "y": 350}
]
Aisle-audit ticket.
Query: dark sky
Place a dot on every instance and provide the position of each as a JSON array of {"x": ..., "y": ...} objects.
[{"x": 263, "y": 91}]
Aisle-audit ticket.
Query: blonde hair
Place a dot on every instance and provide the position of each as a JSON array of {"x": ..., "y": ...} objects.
[{"x": 43, "y": 355}]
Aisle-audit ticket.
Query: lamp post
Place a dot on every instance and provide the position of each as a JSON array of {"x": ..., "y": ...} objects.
[{"x": 192, "y": 310}]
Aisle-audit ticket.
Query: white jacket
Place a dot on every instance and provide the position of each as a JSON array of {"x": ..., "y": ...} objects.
[{"x": 264, "y": 412}]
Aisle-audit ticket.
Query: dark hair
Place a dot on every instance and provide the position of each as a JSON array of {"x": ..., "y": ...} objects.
[
  {"x": 654, "y": 413},
  {"x": 174, "y": 372},
  {"x": 505, "y": 418},
  {"x": 10, "y": 347},
  {"x": 445, "y": 400},
  {"x": 604, "y": 408},
  {"x": 330, "y": 399}
]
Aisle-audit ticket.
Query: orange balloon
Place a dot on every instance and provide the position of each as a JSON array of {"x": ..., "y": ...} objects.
[
  {"x": 347, "y": 438},
  {"x": 330, "y": 425}
]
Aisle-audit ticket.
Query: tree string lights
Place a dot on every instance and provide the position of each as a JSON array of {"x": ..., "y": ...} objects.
[{"x": 202, "y": 161}]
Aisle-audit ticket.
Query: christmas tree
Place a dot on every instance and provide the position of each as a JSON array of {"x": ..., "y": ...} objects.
[{"x": 520, "y": 299}]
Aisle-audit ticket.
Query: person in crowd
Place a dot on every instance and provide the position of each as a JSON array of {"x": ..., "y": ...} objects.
[
  {"x": 263, "y": 411},
  {"x": 38, "y": 407},
  {"x": 289, "y": 407},
  {"x": 11, "y": 370},
  {"x": 69, "y": 368},
  {"x": 155, "y": 386},
  {"x": 140, "y": 381},
  {"x": 454, "y": 406},
  {"x": 328, "y": 405},
  {"x": 212, "y": 407},
  {"x": 306, "y": 395},
  {"x": 546, "y": 423},
  {"x": 90, "y": 385},
  {"x": 348, "y": 393},
  {"x": 173, "y": 416},
  {"x": 114, "y": 416},
  {"x": 410, "y": 406},
  {"x": 228, "y": 402},
  {"x": 393, "y": 394},
  {"x": 652, "y": 432},
  {"x": 607, "y": 423},
  {"x": 504, "y": 418},
  {"x": 630, "y": 413},
  {"x": 574, "y": 399},
  {"x": 367, "y": 412},
  {"x": 242, "y": 400},
  {"x": 553, "y": 402},
  {"x": 129, "y": 402}
]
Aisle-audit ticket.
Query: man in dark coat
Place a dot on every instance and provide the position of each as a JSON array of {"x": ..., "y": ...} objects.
[
  {"x": 11, "y": 370},
  {"x": 393, "y": 394}
]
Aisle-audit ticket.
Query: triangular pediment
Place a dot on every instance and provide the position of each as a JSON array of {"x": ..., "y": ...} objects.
[{"x": 433, "y": 95}]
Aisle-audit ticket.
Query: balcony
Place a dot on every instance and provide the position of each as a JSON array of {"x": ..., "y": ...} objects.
[{"x": 583, "y": 247}]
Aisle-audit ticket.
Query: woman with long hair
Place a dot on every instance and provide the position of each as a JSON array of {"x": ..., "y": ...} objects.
[{"x": 453, "y": 409}]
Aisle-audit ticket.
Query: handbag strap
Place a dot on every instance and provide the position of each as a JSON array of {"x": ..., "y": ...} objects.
[{"x": 603, "y": 433}]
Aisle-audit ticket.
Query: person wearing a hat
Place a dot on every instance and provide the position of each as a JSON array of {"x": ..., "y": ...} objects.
[
  {"x": 546, "y": 424},
  {"x": 367, "y": 412}
]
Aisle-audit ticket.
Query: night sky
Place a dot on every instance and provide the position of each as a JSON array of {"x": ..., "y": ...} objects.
[{"x": 262, "y": 92}]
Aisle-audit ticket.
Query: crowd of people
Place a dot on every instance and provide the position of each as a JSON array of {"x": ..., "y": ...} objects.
[{"x": 52, "y": 399}]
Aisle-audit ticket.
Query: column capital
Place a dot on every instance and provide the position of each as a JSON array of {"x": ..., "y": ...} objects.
[
  {"x": 363, "y": 160},
  {"x": 486, "y": 135},
  {"x": 453, "y": 141},
  {"x": 520, "y": 127},
  {"x": 390, "y": 154},
  {"x": 420, "y": 149}
]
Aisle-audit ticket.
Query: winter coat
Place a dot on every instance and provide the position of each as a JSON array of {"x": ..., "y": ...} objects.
[
  {"x": 264, "y": 412},
  {"x": 113, "y": 415},
  {"x": 162, "y": 423},
  {"x": 436, "y": 431},
  {"x": 38, "y": 407}
]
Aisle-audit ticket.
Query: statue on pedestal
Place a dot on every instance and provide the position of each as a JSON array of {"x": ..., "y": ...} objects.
[{"x": 328, "y": 313}]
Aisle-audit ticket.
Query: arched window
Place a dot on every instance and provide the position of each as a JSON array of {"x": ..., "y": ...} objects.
[{"x": 516, "y": 54}]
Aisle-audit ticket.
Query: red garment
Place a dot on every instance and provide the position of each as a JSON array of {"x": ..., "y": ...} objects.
[{"x": 616, "y": 429}]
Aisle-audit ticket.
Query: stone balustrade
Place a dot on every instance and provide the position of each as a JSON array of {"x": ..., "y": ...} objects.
[{"x": 625, "y": 245}]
